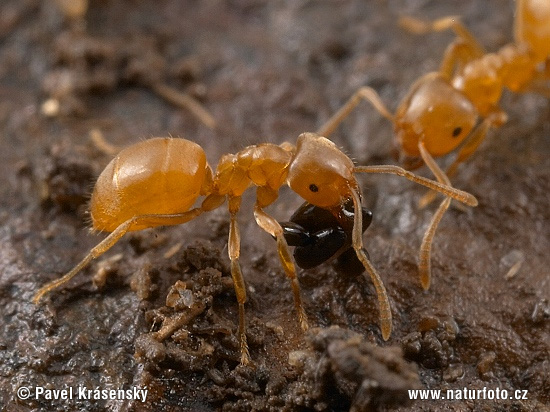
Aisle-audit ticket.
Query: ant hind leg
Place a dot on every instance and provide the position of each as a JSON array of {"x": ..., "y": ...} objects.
[{"x": 112, "y": 239}]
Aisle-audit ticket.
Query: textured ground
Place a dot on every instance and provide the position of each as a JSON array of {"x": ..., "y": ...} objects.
[{"x": 267, "y": 71}]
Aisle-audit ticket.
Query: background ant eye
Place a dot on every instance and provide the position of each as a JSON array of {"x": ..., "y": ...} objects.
[
  {"x": 457, "y": 131},
  {"x": 313, "y": 187}
]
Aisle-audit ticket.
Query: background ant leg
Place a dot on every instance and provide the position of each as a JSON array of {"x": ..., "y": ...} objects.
[
  {"x": 271, "y": 226},
  {"x": 471, "y": 144},
  {"x": 468, "y": 149},
  {"x": 456, "y": 56},
  {"x": 113, "y": 238},
  {"x": 364, "y": 93},
  {"x": 417, "y": 26},
  {"x": 462, "y": 50},
  {"x": 424, "y": 266},
  {"x": 234, "y": 250},
  {"x": 439, "y": 174},
  {"x": 382, "y": 295}
]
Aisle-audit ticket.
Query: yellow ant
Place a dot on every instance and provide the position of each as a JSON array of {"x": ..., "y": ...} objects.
[
  {"x": 157, "y": 181},
  {"x": 453, "y": 109}
]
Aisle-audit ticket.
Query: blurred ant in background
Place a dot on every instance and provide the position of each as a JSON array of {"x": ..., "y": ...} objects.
[{"x": 454, "y": 108}]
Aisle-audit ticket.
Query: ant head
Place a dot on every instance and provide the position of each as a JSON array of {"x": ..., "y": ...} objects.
[
  {"x": 320, "y": 172},
  {"x": 436, "y": 113}
]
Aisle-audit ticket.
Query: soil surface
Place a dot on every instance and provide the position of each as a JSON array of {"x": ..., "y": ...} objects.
[{"x": 158, "y": 311}]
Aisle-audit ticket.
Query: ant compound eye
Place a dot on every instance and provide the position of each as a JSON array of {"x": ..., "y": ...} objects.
[
  {"x": 313, "y": 187},
  {"x": 457, "y": 131}
]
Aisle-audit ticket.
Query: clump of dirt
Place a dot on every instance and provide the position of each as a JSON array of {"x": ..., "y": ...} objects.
[
  {"x": 338, "y": 369},
  {"x": 192, "y": 334},
  {"x": 345, "y": 371}
]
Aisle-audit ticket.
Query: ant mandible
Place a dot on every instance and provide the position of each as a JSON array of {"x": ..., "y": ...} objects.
[
  {"x": 454, "y": 108},
  {"x": 156, "y": 182}
]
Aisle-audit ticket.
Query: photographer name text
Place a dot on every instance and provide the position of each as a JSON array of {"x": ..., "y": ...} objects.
[{"x": 82, "y": 393}]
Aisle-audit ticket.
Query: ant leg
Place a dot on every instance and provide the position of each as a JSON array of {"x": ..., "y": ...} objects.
[
  {"x": 234, "y": 250},
  {"x": 470, "y": 146},
  {"x": 383, "y": 302},
  {"x": 424, "y": 266},
  {"x": 271, "y": 226},
  {"x": 417, "y": 26},
  {"x": 110, "y": 241},
  {"x": 364, "y": 93},
  {"x": 474, "y": 140},
  {"x": 439, "y": 174},
  {"x": 185, "y": 101},
  {"x": 460, "y": 195},
  {"x": 456, "y": 56},
  {"x": 443, "y": 186},
  {"x": 462, "y": 50},
  {"x": 467, "y": 150},
  {"x": 210, "y": 202},
  {"x": 433, "y": 166}
]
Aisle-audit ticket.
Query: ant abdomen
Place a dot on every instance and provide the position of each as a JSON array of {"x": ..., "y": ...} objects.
[{"x": 156, "y": 176}]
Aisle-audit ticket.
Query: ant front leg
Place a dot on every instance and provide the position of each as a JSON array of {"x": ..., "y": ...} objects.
[
  {"x": 424, "y": 266},
  {"x": 234, "y": 250},
  {"x": 271, "y": 226},
  {"x": 467, "y": 150},
  {"x": 357, "y": 242}
]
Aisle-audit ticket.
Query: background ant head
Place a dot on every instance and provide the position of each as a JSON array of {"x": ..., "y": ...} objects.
[
  {"x": 435, "y": 113},
  {"x": 320, "y": 173}
]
